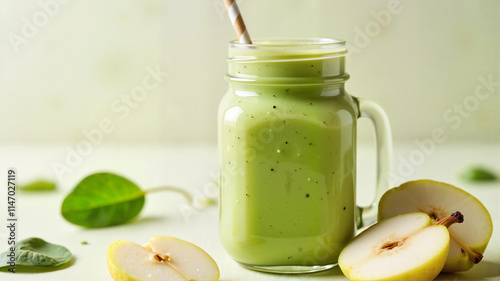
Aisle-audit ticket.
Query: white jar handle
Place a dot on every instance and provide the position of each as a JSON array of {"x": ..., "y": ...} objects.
[{"x": 373, "y": 111}]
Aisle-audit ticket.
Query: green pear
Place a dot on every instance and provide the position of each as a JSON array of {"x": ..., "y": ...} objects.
[
  {"x": 162, "y": 258},
  {"x": 404, "y": 247},
  {"x": 468, "y": 241}
]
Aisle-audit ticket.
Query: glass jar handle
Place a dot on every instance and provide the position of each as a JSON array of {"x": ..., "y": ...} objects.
[{"x": 373, "y": 111}]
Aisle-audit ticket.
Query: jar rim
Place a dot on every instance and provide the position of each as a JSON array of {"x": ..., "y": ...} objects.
[
  {"x": 288, "y": 61},
  {"x": 286, "y": 48}
]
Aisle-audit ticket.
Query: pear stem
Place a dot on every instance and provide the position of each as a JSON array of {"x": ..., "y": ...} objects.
[
  {"x": 473, "y": 255},
  {"x": 457, "y": 217}
]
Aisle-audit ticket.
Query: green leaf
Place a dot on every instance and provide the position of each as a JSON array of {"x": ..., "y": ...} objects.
[
  {"x": 36, "y": 255},
  {"x": 38, "y": 186},
  {"x": 478, "y": 174},
  {"x": 101, "y": 200}
]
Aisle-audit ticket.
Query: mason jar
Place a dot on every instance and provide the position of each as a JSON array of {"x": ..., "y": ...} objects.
[{"x": 287, "y": 150}]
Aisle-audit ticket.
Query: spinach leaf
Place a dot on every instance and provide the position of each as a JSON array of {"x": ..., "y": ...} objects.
[
  {"x": 36, "y": 255},
  {"x": 101, "y": 200},
  {"x": 478, "y": 174},
  {"x": 106, "y": 199},
  {"x": 40, "y": 185}
]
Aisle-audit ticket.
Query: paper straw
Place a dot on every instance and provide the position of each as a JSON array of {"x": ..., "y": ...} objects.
[{"x": 237, "y": 21}]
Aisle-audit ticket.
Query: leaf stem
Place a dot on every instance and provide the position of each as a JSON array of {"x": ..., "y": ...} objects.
[{"x": 186, "y": 194}]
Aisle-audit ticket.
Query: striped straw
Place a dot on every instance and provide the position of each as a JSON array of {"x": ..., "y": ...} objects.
[{"x": 237, "y": 21}]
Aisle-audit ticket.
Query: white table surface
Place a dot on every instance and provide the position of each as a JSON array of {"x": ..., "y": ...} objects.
[{"x": 193, "y": 167}]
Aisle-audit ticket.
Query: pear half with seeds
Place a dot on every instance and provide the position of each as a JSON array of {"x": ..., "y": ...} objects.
[
  {"x": 162, "y": 258},
  {"x": 404, "y": 247},
  {"x": 468, "y": 240}
]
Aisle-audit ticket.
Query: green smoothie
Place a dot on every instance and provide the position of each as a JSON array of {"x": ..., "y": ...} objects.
[{"x": 287, "y": 154}]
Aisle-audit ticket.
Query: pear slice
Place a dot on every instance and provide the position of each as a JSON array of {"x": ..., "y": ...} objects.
[
  {"x": 468, "y": 240},
  {"x": 162, "y": 258},
  {"x": 403, "y": 247}
]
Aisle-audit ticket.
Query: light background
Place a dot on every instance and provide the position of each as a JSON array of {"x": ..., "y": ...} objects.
[{"x": 67, "y": 66}]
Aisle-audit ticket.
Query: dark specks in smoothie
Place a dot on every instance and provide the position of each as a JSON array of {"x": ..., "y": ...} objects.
[
  {"x": 286, "y": 142},
  {"x": 287, "y": 90},
  {"x": 289, "y": 257},
  {"x": 274, "y": 96},
  {"x": 344, "y": 209},
  {"x": 307, "y": 195},
  {"x": 312, "y": 65},
  {"x": 272, "y": 170},
  {"x": 274, "y": 106},
  {"x": 310, "y": 143},
  {"x": 247, "y": 195}
]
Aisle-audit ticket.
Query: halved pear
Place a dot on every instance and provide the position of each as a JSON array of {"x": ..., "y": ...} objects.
[
  {"x": 468, "y": 240},
  {"x": 162, "y": 258},
  {"x": 403, "y": 247}
]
